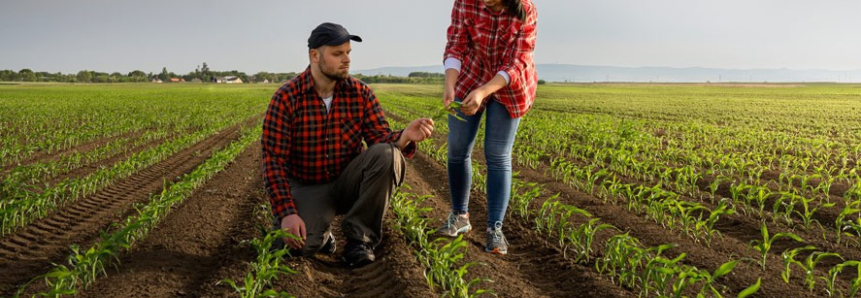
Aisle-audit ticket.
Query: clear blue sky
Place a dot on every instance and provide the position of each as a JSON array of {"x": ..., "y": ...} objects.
[{"x": 251, "y": 36}]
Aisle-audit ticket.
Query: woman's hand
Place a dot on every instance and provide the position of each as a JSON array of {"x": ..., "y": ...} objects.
[
  {"x": 448, "y": 96},
  {"x": 473, "y": 101}
]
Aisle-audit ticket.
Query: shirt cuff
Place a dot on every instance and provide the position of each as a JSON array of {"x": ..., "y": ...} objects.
[
  {"x": 505, "y": 76},
  {"x": 410, "y": 150},
  {"x": 452, "y": 63}
]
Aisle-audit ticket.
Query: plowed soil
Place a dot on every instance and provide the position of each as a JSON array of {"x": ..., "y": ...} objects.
[{"x": 32, "y": 250}]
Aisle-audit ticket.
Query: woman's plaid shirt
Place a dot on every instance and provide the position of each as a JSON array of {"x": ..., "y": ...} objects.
[
  {"x": 488, "y": 42},
  {"x": 305, "y": 143}
]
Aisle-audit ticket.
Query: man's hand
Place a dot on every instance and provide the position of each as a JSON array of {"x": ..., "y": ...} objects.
[
  {"x": 418, "y": 130},
  {"x": 294, "y": 224}
]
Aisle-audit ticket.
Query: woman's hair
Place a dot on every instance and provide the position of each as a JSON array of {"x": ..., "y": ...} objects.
[{"x": 516, "y": 8}]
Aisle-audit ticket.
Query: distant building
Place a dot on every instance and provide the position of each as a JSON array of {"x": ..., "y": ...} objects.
[
  {"x": 265, "y": 81},
  {"x": 177, "y": 80},
  {"x": 156, "y": 80},
  {"x": 228, "y": 80}
]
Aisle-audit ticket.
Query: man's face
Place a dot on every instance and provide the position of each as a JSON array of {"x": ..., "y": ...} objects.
[{"x": 333, "y": 61}]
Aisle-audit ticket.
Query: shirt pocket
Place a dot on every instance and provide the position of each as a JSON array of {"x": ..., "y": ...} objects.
[{"x": 510, "y": 33}]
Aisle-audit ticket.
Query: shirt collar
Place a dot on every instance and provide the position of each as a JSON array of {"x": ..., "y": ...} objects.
[
  {"x": 494, "y": 13},
  {"x": 308, "y": 81}
]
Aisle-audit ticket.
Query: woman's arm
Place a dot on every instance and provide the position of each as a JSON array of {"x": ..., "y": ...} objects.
[
  {"x": 457, "y": 43},
  {"x": 515, "y": 58},
  {"x": 474, "y": 99}
]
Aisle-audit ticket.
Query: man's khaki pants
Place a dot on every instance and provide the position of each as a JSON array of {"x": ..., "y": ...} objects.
[{"x": 361, "y": 192}]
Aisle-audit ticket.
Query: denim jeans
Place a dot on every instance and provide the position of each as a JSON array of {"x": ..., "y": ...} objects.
[{"x": 500, "y": 130}]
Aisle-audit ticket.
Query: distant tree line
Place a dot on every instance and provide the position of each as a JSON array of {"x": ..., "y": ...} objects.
[
  {"x": 412, "y": 78},
  {"x": 200, "y": 74}
]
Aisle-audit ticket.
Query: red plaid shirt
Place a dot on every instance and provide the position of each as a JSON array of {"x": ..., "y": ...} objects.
[
  {"x": 305, "y": 143},
  {"x": 488, "y": 42}
]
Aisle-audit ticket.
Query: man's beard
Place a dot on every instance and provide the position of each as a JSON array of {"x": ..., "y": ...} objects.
[{"x": 333, "y": 75}]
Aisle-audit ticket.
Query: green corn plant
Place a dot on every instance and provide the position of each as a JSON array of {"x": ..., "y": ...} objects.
[
  {"x": 855, "y": 285},
  {"x": 760, "y": 195},
  {"x": 592, "y": 179},
  {"x": 809, "y": 265},
  {"x": 440, "y": 256},
  {"x": 831, "y": 278},
  {"x": 806, "y": 213},
  {"x": 687, "y": 277},
  {"x": 789, "y": 259},
  {"x": 851, "y": 208},
  {"x": 711, "y": 278},
  {"x": 451, "y": 109},
  {"x": 658, "y": 273},
  {"x": 583, "y": 237},
  {"x": 707, "y": 227},
  {"x": 753, "y": 289},
  {"x": 805, "y": 182},
  {"x": 825, "y": 187},
  {"x": 522, "y": 195},
  {"x": 787, "y": 201},
  {"x": 713, "y": 187},
  {"x": 265, "y": 269},
  {"x": 737, "y": 194},
  {"x": 767, "y": 241}
]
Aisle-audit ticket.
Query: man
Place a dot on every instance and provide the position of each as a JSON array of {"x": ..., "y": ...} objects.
[{"x": 314, "y": 163}]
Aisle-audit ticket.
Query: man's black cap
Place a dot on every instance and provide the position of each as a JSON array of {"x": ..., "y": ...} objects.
[{"x": 330, "y": 34}]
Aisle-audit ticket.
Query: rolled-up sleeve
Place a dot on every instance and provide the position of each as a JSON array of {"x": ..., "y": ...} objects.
[{"x": 517, "y": 57}]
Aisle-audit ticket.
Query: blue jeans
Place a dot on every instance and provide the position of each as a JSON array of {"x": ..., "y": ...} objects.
[{"x": 500, "y": 130}]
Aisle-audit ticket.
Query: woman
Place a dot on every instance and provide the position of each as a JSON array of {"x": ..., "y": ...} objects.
[{"x": 490, "y": 70}]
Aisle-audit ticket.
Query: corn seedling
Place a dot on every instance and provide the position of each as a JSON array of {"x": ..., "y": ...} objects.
[
  {"x": 265, "y": 269},
  {"x": 767, "y": 241}
]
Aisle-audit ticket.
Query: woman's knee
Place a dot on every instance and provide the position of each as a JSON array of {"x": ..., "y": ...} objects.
[{"x": 497, "y": 157}]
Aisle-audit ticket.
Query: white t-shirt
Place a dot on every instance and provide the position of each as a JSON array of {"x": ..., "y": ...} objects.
[{"x": 328, "y": 102}]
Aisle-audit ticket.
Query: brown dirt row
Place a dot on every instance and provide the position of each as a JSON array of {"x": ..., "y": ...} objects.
[
  {"x": 32, "y": 250},
  {"x": 185, "y": 251},
  {"x": 396, "y": 272},
  {"x": 200, "y": 243}
]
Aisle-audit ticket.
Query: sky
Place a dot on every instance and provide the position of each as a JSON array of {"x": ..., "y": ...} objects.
[{"x": 270, "y": 35}]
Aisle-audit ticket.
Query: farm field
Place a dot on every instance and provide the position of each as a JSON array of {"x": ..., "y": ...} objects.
[{"x": 621, "y": 190}]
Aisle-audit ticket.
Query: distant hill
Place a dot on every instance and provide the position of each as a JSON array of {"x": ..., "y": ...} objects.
[{"x": 586, "y": 73}]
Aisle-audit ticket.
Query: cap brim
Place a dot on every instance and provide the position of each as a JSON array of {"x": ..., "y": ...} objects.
[{"x": 340, "y": 41}]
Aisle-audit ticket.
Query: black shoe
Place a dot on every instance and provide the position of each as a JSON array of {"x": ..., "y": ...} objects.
[
  {"x": 357, "y": 253},
  {"x": 329, "y": 245}
]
